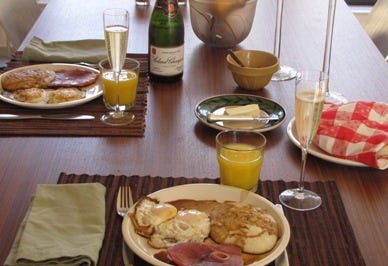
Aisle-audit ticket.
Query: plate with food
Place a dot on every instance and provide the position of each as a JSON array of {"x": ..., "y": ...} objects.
[
  {"x": 50, "y": 86},
  {"x": 198, "y": 223},
  {"x": 316, "y": 151},
  {"x": 240, "y": 111}
]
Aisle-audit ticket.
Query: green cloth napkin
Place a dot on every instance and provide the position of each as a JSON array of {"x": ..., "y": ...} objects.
[
  {"x": 90, "y": 51},
  {"x": 65, "y": 225}
]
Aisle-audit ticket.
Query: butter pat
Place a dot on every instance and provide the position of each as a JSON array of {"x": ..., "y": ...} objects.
[{"x": 250, "y": 109}]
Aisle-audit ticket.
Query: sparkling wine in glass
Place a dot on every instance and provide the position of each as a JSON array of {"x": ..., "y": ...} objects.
[
  {"x": 310, "y": 89},
  {"x": 116, "y": 28},
  {"x": 331, "y": 97},
  {"x": 284, "y": 72}
]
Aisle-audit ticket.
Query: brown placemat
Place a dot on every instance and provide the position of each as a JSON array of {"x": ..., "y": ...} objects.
[
  {"x": 77, "y": 128},
  {"x": 320, "y": 237}
]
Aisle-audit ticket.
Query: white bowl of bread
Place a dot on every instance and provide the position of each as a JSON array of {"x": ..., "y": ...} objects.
[{"x": 209, "y": 215}]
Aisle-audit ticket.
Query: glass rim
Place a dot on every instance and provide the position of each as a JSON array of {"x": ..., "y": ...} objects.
[
  {"x": 310, "y": 74},
  {"x": 116, "y": 11},
  {"x": 137, "y": 66},
  {"x": 255, "y": 146}
]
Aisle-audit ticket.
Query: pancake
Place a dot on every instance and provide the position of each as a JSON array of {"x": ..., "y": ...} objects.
[
  {"x": 31, "y": 95},
  {"x": 29, "y": 78},
  {"x": 252, "y": 229},
  {"x": 65, "y": 94}
]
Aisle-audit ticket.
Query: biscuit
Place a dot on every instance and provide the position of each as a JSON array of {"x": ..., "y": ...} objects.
[
  {"x": 28, "y": 78},
  {"x": 31, "y": 95},
  {"x": 65, "y": 94}
]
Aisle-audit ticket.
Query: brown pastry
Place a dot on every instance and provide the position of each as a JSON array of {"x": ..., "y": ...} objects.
[
  {"x": 65, "y": 94},
  {"x": 31, "y": 95},
  {"x": 28, "y": 78}
]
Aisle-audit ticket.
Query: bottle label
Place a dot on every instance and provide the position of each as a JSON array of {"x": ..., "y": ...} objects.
[
  {"x": 168, "y": 8},
  {"x": 166, "y": 61}
]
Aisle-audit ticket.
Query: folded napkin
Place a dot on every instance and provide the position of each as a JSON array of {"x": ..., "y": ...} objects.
[
  {"x": 90, "y": 51},
  {"x": 356, "y": 131},
  {"x": 65, "y": 225}
]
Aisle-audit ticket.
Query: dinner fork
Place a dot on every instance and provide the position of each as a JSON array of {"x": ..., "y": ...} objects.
[
  {"x": 124, "y": 200},
  {"x": 123, "y": 203}
]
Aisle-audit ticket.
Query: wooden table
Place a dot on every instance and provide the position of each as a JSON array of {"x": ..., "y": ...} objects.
[{"x": 176, "y": 144}]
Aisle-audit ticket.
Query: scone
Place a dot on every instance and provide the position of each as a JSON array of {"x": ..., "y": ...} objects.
[
  {"x": 31, "y": 95},
  {"x": 65, "y": 94},
  {"x": 28, "y": 78},
  {"x": 252, "y": 229}
]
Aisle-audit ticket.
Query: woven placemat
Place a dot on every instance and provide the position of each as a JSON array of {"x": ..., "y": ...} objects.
[
  {"x": 77, "y": 128},
  {"x": 320, "y": 237}
]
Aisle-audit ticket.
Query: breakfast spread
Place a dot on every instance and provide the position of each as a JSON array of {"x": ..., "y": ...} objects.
[
  {"x": 210, "y": 229},
  {"x": 39, "y": 85}
]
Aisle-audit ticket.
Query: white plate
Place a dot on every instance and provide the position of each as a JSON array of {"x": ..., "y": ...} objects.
[
  {"x": 316, "y": 151},
  {"x": 92, "y": 92},
  {"x": 221, "y": 193}
]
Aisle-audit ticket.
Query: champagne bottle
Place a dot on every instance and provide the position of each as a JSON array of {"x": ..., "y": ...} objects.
[{"x": 166, "y": 42}]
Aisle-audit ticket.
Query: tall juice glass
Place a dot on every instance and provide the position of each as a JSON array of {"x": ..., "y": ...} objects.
[
  {"x": 125, "y": 94},
  {"x": 240, "y": 157},
  {"x": 310, "y": 88}
]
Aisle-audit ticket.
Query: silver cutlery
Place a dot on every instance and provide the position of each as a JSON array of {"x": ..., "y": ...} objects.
[
  {"x": 49, "y": 117},
  {"x": 215, "y": 118},
  {"x": 123, "y": 203}
]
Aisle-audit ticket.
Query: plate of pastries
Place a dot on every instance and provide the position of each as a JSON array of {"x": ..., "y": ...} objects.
[
  {"x": 50, "y": 86},
  {"x": 201, "y": 224}
]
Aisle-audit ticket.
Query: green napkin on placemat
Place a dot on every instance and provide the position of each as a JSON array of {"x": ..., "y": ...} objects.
[
  {"x": 89, "y": 50},
  {"x": 65, "y": 225}
]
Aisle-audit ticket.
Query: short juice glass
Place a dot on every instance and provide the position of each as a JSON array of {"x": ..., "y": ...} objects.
[
  {"x": 122, "y": 97},
  {"x": 240, "y": 156}
]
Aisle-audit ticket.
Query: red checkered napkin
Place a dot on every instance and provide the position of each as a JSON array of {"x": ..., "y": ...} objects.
[{"x": 355, "y": 131}]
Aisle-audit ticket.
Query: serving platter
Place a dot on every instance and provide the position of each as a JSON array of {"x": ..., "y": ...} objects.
[
  {"x": 91, "y": 92},
  {"x": 316, "y": 151},
  {"x": 218, "y": 104},
  {"x": 221, "y": 193}
]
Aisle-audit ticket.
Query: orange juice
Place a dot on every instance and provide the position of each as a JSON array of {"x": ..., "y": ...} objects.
[
  {"x": 240, "y": 165},
  {"x": 126, "y": 92}
]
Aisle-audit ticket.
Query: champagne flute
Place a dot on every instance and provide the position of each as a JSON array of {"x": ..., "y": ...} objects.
[
  {"x": 116, "y": 28},
  {"x": 331, "y": 97},
  {"x": 284, "y": 72},
  {"x": 310, "y": 88}
]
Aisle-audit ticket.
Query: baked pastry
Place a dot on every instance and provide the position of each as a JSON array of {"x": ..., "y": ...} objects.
[
  {"x": 241, "y": 224},
  {"x": 28, "y": 78},
  {"x": 65, "y": 94},
  {"x": 31, "y": 95}
]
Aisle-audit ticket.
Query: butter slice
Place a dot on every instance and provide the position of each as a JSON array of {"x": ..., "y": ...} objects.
[{"x": 250, "y": 109}]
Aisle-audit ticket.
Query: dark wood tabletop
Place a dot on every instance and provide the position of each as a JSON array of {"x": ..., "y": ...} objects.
[{"x": 176, "y": 144}]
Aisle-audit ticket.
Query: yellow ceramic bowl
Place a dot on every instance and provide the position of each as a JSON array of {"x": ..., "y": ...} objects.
[{"x": 259, "y": 66}]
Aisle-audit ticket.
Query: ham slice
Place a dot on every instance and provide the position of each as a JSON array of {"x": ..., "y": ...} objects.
[
  {"x": 73, "y": 78},
  {"x": 194, "y": 253}
]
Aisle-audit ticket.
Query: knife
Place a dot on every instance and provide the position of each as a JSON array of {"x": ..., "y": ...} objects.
[
  {"x": 215, "y": 118},
  {"x": 50, "y": 117}
]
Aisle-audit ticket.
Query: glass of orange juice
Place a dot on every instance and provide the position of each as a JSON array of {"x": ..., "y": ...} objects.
[
  {"x": 121, "y": 98},
  {"x": 240, "y": 156}
]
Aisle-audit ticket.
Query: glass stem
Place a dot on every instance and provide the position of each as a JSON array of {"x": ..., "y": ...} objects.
[
  {"x": 278, "y": 27},
  {"x": 117, "y": 80},
  {"x": 329, "y": 39},
  {"x": 302, "y": 174}
]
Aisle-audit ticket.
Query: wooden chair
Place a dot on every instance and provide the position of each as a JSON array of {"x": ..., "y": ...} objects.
[
  {"x": 376, "y": 26},
  {"x": 16, "y": 19}
]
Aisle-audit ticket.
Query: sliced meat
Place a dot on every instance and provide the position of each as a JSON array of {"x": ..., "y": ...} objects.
[
  {"x": 198, "y": 254},
  {"x": 73, "y": 78}
]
